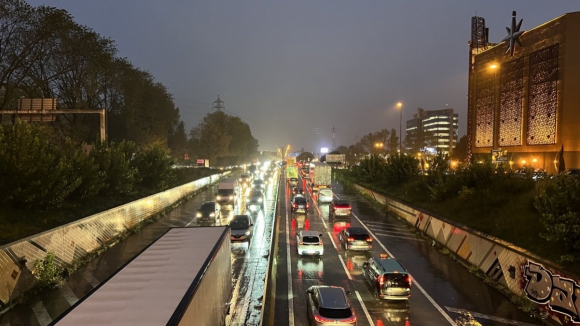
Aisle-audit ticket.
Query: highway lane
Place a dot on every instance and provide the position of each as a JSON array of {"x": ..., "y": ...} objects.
[{"x": 441, "y": 285}]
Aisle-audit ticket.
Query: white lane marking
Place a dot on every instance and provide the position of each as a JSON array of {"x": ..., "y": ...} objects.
[
  {"x": 322, "y": 219},
  {"x": 40, "y": 313},
  {"x": 438, "y": 307},
  {"x": 289, "y": 264},
  {"x": 345, "y": 269},
  {"x": 68, "y": 294},
  {"x": 400, "y": 237},
  {"x": 490, "y": 317},
  {"x": 364, "y": 308},
  {"x": 332, "y": 240}
]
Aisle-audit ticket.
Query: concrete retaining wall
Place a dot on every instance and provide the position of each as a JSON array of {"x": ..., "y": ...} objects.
[
  {"x": 73, "y": 241},
  {"x": 543, "y": 282}
]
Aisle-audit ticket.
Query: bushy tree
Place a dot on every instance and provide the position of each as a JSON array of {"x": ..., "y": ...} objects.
[
  {"x": 559, "y": 204},
  {"x": 154, "y": 167},
  {"x": 115, "y": 161},
  {"x": 36, "y": 173}
]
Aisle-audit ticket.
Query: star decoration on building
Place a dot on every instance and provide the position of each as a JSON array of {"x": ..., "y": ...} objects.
[{"x": 514, "y": 34}]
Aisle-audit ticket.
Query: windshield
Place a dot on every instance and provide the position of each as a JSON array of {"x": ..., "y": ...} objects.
[
  {"x": 225, "y": 192},
  {"x": 334, "y": 313},
  {"x": 310, "y": 240},
  {"x": 207, "y": 208},
  {"x": 240, "y": 223}
]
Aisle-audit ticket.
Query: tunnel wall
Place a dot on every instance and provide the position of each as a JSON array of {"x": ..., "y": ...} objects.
[
  {"x": 555, "y": 291},
  {"x": 75, "y": 240}
]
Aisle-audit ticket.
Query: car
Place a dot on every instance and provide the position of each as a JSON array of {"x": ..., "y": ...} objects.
[
  {"x": 355, "y": 238},
  {"x": 299, "y": 204},
  {"x": 209, "y": 211},
  {"x": 387, "y": 278},
  {"x": 255, "y": 200},
  {"x": 245, "y": 179},
  {"x": 309, "y": 243},
  {"x": 298, "y": 191},
  {"x": 293, "y": 182},
  {"x": 329, "y": 305},
  {"x": 572, "y": 172},
  {"x": 340, "y": 207},
  {"x": 258, "y": 184},
  {"x": 325, "y": 196},
  {"x": 241, "y": 228}
]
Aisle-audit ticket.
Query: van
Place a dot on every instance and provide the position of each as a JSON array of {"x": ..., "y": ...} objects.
[{"x": 227, "y": 192}]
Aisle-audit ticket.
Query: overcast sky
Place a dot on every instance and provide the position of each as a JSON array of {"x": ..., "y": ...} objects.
[{"x": 294, "y": 69}]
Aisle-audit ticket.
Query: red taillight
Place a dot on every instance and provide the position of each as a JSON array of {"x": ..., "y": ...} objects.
[
  {"x": 409, "y": 280},
  {"x": 307, "y": 205},
  {"x": 321, "y": 319},
  {"x": 381, "y": 280},
  {"x": 369, "y": 239},
  {"x": 301, "y": 242},
  {"x": 294, "y": 205},
  {"x": 350, "y": 239},
  {"x": 351, "y": 320}
]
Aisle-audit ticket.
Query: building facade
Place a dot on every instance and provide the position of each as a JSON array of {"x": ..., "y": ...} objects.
[
  {"x": 527, "y": 104},
  {"x": 436, "y": 129}
]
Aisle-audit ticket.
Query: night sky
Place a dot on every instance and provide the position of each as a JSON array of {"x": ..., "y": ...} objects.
[{"x": 293, "y": 69}]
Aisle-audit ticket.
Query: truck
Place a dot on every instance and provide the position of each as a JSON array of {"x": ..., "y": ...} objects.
[
  {"x": 228, "y": 190},
  {"x": 183, "y": 278},
  {"x": 291, "y": 172},
  {"x": 320, "y": 176}
]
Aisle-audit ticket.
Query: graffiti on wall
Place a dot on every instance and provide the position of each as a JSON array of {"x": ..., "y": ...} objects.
[{"x": 560, "y": 294}]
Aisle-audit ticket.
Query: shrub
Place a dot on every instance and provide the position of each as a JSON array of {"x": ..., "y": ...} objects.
[{"x": 49, "y": 274}]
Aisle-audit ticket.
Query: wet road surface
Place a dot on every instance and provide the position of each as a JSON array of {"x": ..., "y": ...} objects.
[
  {"x": 441, "y": 287},
  {"x": 248, "y": 264}
]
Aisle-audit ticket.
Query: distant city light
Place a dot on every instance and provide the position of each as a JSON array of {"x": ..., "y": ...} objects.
[{"x": 324, "y": 150}]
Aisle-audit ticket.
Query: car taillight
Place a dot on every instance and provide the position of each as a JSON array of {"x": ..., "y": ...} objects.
[
  {"x": 321, "y": 319},
  {"x": 409, "y": 279},
  {"x": 320, "y": 243},
  {"x": 381, "y": 280},
  {"x": 307, "y": 205},
  {"x": 294, "y": 205},
  {"x": 350, "y": 239},
  {"x": 301, "y": 242},
  {"x": 351, "y": 320},
  {"x": 369, "y": 239}
]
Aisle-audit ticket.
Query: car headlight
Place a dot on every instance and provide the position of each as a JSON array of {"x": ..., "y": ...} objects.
[
  {"x": 219, "y": 197},
  {"x": 248, "y": 200},
  {"x": 248, "y": 232},
  {"x": 231, "y": 197},
  {"x": 198, "y": 214},
  {"x": 259, "y": 200},
  {"x": 211, "y": 214}
]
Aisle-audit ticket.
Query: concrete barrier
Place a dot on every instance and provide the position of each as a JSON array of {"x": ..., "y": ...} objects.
[
  {"x": 75, "y": 240},
  {"x": 555, "y": 291}
]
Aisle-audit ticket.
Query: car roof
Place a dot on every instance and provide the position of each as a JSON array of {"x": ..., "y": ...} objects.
[
  {"x": 309, "y": 233},
  {"x": 390, "y": 265},
  {"x": 357, "y": 230},
  {"x": 240, "y": 217},
  {"x": 332, "y": 297}
]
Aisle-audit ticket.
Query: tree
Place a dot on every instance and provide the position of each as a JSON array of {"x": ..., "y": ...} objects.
[
  {"x": 460, "y": 151},
  {"x": 305, "y": 157}
]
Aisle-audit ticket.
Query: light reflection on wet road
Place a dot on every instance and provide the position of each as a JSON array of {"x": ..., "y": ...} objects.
[{"x": 447, "y": 283}]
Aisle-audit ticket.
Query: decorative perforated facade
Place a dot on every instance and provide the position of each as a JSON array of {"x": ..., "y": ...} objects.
[{"x": 529, "y": 104}]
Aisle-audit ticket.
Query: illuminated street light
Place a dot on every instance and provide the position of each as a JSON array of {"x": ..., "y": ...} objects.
[{"x": 400, "y": 106}]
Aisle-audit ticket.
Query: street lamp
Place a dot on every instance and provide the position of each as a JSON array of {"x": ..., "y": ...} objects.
[{"x": 400, "y": 106}]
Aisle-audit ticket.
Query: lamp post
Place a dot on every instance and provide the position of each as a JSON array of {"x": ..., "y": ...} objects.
[{"x": 400, "y": 106}]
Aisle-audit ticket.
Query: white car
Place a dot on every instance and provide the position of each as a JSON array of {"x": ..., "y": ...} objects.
[
  {"x": 309, "y": 243},
  {"x": 325, "y": 195}
]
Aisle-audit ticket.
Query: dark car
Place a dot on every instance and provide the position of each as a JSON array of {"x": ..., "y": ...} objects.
[
  {"x": 255, "y": 200},
  {"x": 328, "y": 305},
  {"x": 209, "y": 211},
  {"x": 387, "y": 278},
  {"x": 241, "y": 228},
  {"x": 298, "y": 191},
  {"x": 355, "y": 238},
  {"x": 340, "y": 207},
  {"x": 258, "y": 184},
  {"x": 299, "y": 204}
]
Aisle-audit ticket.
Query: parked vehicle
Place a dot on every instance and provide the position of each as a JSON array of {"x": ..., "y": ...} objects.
[
  {"x": 241, "y": 227},
  {"x": 309, "y": 243},
  {"x": 227, "y": 191},
  {"x": 178, "y": 269},
  {"x": 355, "y": 238},
  {"x": 387, "y": 278},
  {"x": 329, "y": 305},
  {"x": 340, "y": 207}
]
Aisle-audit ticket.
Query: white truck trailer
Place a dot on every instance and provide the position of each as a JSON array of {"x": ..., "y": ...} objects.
[
  {"x": 321, "y": 176},
  {"x": 182, "y": 278}
]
